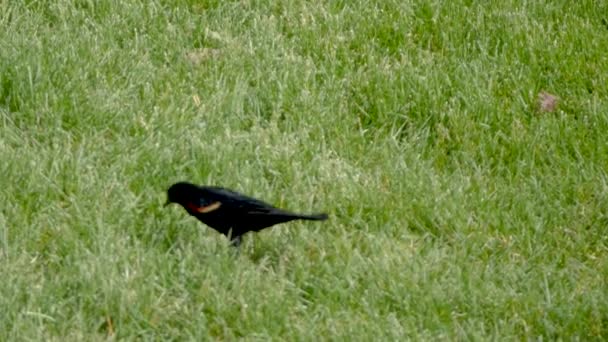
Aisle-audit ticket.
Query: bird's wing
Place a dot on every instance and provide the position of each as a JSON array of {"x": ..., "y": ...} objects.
[{"x": 234, "y": 200}]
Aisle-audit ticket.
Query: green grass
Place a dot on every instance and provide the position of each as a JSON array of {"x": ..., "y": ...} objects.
[{"x": 459, "y": 210}]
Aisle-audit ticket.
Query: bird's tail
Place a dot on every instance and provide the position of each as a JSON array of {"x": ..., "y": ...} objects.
[{"x": 313, "y": 217}]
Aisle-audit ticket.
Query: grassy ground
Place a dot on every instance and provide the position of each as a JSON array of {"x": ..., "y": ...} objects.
[{"x": 460, "y": 209}]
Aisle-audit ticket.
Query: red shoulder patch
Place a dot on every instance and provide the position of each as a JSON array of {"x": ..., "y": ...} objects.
[{"x": 204, "y": 209}]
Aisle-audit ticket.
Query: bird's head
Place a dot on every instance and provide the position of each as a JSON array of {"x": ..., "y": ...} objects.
[{"x": 180, "y": 193}]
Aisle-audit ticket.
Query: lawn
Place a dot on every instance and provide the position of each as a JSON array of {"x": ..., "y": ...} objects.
[{"x": 459, "y": 147}]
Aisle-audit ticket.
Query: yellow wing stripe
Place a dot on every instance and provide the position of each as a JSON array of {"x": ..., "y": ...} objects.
[{"x": 209, "y": 208}]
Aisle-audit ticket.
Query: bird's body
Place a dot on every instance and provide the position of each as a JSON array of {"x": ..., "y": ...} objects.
[{"x": 229, "y": 212}]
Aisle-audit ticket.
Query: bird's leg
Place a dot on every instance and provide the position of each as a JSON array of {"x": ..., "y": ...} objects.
[{"x": 236, "y": 242}]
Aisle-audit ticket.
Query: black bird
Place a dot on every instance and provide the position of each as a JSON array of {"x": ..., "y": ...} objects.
[{"x": 229, "y": 212}]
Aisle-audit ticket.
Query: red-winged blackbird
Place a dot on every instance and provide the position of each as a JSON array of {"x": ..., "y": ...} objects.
[{"x": 229, "y": 212}]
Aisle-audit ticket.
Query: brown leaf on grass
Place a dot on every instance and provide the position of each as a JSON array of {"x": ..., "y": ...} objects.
[
  {"x": 197, "y": 100},
  {"x": 107, "y": 326},
  {"x": 547, "y": 102},
  {"x": 110, "y": 326},
  {"x": 199, "y": 55}
]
